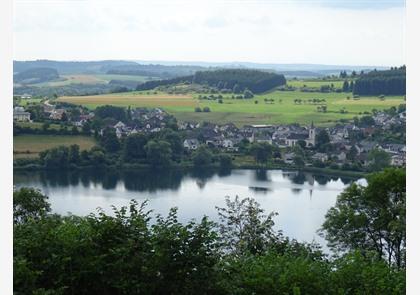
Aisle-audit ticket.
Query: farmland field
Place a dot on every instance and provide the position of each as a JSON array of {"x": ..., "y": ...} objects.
[
  {"x": 28, "y": 146},
  {"x": 315, "y": 83},
  {"x": 282, "y": 109},
  {"x": 135, "y": 99}
]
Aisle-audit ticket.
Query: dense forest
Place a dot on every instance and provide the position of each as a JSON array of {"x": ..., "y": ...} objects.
[
  {"x": 160, "y": 71},
  {"x": 236, "y": 80},
  {"x": 390, "y": 82},
  {"x": 155, "y": 83},
  {"x": 254, "y": 80},
  {"x": 134, "y": 251},
  {"x": 36, "y": 75}
]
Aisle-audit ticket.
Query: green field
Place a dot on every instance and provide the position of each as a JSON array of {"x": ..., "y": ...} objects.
[
  {"x": 315, "y": 83},
  {"x": 28, "y": 101},
  {"x": 37, "y": 125},
  {"x": 28, "y": 146},
  {"x": 246, "y": 111}
]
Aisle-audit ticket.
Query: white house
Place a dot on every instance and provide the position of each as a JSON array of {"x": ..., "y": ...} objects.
[
  {"x": 320, "y": 157},
  {"x": 191, "y": 144}
]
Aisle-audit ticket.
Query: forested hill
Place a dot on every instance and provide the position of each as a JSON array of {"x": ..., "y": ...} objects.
[
  {"x": 236, "y": 80},
  {"x": 70, "y": 67},
  {"x": 390, "y": 82},
  {"x": 254, "y": 80},
  {"x": 36, "y": 75}
]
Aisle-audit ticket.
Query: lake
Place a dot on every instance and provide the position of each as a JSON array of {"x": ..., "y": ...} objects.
[{"x": 301, "y": 199}]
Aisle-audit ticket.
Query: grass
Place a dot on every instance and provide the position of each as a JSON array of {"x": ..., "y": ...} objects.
[
  {"x": 28, "y": 101},
  {"x": 245, "y": 111},
  {"x": 316, "y": 83},
  {"x": 134, "y": 99},
  {"x": 38, "y": 125},
  {"x": 28, "y": 146}
]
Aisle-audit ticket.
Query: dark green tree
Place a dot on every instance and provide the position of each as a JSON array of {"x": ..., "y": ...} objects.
[
  {"x": 262, "y": 152},
  {"x": 371, "y": 218},
  {"x": 202, "y": 156},
  {"x": 245, "y": 228},
  {"x": 134, "y": 147},
  {"x": 346, "y": 86},
  {"x": 54, "y": 158},
  {"x": 158, "y": 153},
  {"x": 379, "y": 159},
  {"x": 29, "y": 204},
  {"x": 74, "y": 154},
  {"x": 110, "y": 140},
  {"x": 352, "y": 154},
  {"x": 322, "y": 138},
  {"x": 225, "y": 161}
]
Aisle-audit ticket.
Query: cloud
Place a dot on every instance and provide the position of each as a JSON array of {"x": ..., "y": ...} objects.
[{"x": 269, "y": 31}]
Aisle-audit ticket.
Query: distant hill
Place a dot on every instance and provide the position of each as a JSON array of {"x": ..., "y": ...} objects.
[
  {"x": 390, "y": 82},
  {"x": 171, "y": 69},
  {"x": 36, "y": 75},
  {"x": 320, "y": 69},
  {"x": 155, "y": 70},
  {"x": 300, "y": 74},
  {"x": 71, "y": 67}
]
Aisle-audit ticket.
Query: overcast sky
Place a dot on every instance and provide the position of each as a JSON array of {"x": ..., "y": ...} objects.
[{"x": 350, "y": 32}]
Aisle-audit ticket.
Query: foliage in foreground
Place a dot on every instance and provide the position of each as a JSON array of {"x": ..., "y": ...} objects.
[{"x": 130, "y": 252}]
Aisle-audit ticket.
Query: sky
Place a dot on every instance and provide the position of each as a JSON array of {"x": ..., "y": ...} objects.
[{"x": 341, "y": 32}]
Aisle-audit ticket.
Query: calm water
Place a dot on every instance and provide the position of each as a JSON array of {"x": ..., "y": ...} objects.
[{"x": 300, "y": 198}]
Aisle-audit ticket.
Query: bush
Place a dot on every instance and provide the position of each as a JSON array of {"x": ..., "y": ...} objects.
[
  {"x": 206, "y": 109},
  {"x": 197, "y": 110},
  {"x": 225, "y": 161}
]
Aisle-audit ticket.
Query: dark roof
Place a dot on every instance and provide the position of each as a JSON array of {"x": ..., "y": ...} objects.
[{"x": 297, "y": 136}]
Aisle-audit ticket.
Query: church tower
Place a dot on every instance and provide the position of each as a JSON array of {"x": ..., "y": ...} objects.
[{"x": 311, "y": 138}]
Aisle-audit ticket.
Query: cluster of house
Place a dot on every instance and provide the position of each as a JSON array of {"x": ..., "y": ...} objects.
[
  {"x": 54, "y": 113},
  {"x": 228, "y": 137},
  {"x": 20, "y": 115},
  {"x": 151, "y": 120},
  {"x": 51, "y": 112}
]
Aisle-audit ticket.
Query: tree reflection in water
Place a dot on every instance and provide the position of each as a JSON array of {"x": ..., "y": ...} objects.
[{"x": 151, "y": 180}]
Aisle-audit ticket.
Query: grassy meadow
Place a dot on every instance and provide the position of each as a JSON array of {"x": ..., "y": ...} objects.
[
  {"x": 38, "y": 125},
  {"x": 283, "y": 109},
  {"x": 28, "y": 146},
  {"x": 316, "y": 83}
]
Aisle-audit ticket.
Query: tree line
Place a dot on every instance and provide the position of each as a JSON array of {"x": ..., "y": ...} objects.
[
  {"x": 254, "y": 80},
  {"x": 236, "y": 80},
  {"x": 390, "y": 82},
  {"x": 133, "y": 251}
]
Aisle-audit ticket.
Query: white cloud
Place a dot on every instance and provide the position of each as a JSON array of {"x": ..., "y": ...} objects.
[{"x": 208, "y": 31}]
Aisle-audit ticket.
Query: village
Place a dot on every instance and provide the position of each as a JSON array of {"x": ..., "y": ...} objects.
[{"x": 341, "y": 145}]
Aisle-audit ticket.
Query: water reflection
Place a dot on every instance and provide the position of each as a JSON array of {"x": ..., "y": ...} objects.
[
  {"x": 261, "y": 175},
  {"x": 152, "y": 180},
  {"x": 302, "y": 199},
  {"x": 259, "y": 189}
]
